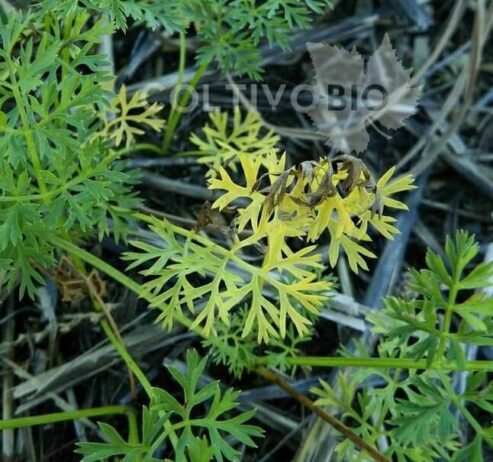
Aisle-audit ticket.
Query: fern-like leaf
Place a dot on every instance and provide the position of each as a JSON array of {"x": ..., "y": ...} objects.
[
  {"x": 166, "y": 418},
  {"x": 223, "y": 143}
]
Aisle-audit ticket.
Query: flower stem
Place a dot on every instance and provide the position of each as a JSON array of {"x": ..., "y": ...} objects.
[{"x": 127, "y": 357}]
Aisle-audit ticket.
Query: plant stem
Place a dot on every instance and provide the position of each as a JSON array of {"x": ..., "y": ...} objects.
[
  {"x": 447, "y": 320},
  {"x": 176, "y": 111},
  {"x": 458, "y": 402},
  {"x": 332, "y": 421},
  {"x": 31, "y": 146},
  {"x": 127, "y": 357},
  {"x": 387, "y": 363},
  {"x": 183, "y": 57},
  {"x": 20, "y": 422},
  {"x": 124, "y": 280},
  {"x": 133, "y": 427},
  {"x": 108, "y": 325}
]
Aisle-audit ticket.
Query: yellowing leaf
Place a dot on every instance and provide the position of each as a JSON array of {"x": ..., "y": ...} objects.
[
  {"x": 225, "y": 141},
  {"x": 127, "y": 118}
]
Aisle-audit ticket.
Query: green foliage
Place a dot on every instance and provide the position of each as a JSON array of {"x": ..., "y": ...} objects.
[
  {"x": 337, "y": 197},
  {"x": 230, "y": 30},
  {"x": 233, "y": 29},
  {"x": 420, "y": 412},
  {"x": 443, "y": 292},
  {"x": 129, "y": 117},
  {"x": 61, "y": 180},
  {"x": 242, "y": 354},
  {"x": 418, "y": 431},
  {"x": 198, "y": 429},
  {"x": 230, "y": 349},
  {"x": 186, "y": 273},
  {"x": 154, "y": 14},
  {"x": 59, "y": 174},
  {"x": 272, "y": 206},
  {"x": 224, "y": 143}
]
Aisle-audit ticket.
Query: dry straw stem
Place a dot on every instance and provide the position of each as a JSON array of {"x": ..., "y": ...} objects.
[{"x": 465, "y": 85}]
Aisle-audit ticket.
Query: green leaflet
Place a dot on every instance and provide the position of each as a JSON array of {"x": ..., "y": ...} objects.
[
  {"x": 419, "y": 411},
  {"x": 200, "y": 276},
  {"x": 53, "y": 180},
  {"x": 230, "y": 30},
  {"x": 169, "y": 421},
  {"x": 446, "y": 286}
]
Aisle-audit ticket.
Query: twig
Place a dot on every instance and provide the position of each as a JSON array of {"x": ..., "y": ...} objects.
[{"x": 332, "y": 421}]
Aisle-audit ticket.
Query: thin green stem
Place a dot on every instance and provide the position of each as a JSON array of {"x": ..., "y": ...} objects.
[
  {"x": 125, "y": 355},
  {"x": 133, "y": 427},
  {"x": 109, "y": 327},
  {"x": 194, "y": 153},
  {"x": 20, "y": 422},
  {"x": 177, "y": 109},
  {"x": 183, "y": 56},
  {"x": 387, "y": 363},
  {"x": 169, "y": 431},
  {"x": 470, "y": 419},
  {"x": 31, "y": 146},
  {"x": 459, "y": 401},
  {"x": 94, "y": 261},
  {"x": 447, "y": 319},
  {"x": 380, "y": 423}
]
